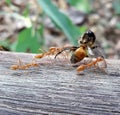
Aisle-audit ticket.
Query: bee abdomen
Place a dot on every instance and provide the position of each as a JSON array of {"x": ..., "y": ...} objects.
[{"x": 74, "y": 59}]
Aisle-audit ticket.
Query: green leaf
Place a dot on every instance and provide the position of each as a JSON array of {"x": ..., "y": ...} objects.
[
  {"x": 26, "y": 11},
  {"x": 118, "y": 25},
  {"x": 83, "y": 29},
  {"x": 8, "y": 2},
  {"x": 61, "y": 20},
  {"x": 27, "y": 41}
]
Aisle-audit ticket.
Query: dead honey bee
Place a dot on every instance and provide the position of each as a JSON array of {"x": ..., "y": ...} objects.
[{"x": 87, "y": 48}]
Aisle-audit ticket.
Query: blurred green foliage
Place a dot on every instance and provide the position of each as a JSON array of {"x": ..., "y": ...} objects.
[
  {"x": 28, "y": 40},
  {"x": 31, "y": 39},
  {"x": 61, "y": 20},
  {"x": 116, "y": 6},
  {"x": 118, "y": 25},
  {"x": 8, "y": 2},
  {"x": 26, "y": 11},
  {"x": 82, "y": 5}
]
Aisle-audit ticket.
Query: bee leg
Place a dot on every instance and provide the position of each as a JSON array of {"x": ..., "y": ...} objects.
[
  {"x": 93, "y": 47},
  {"x": 71, "y": 48},
  {"x": 61, "y": 51},
  {"x": 79, "y": 63}
]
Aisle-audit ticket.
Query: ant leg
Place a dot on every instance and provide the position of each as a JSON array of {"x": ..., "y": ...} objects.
[
  {"x": 52, "y": 51},
  {"x": 66, "y": 56},
  {"x": 14, "y": 67},
  {"x": 18, "y": 65},
  {"x": 101, "y": 59},
  {"x": 81, "y": 67},
  {"x": 93, "y": 63},
  {"x": 102, "y": 68},
  {"x": 34, "y": 63},
  {"x": 39, "y": 56}
]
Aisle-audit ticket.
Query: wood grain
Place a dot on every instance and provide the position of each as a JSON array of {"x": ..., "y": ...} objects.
[{"x": 56, "y": 89}]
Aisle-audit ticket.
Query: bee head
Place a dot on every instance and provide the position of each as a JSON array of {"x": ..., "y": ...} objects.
[{"x": 88, "y": 38}]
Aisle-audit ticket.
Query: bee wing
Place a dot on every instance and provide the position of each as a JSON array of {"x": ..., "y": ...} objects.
[
  {"x": 90, "y": 52},
  {"x": 98, "y": 52}
]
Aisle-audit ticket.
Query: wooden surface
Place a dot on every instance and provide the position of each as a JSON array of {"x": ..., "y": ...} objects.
[{"x": 56, "y": 89}]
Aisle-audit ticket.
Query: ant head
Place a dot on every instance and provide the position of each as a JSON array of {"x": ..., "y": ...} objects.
[{"x": 88, "y": 38}]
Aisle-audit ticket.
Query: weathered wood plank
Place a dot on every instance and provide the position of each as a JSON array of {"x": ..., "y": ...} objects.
[{"x": 57, "y": 89}]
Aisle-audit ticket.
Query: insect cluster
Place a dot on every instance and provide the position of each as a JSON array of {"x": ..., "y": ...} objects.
[{"x": 87, "y": 45}]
